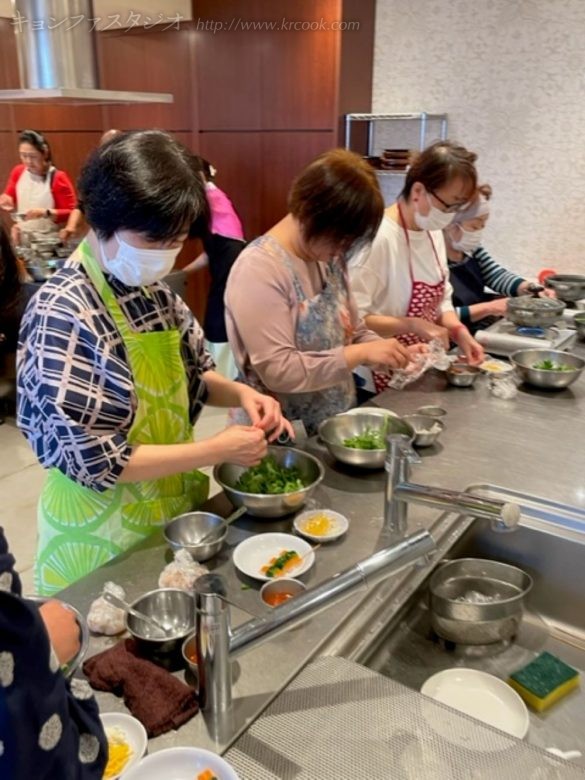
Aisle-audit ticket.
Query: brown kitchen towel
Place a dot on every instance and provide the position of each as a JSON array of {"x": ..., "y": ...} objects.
[{"x": 160, "y": 701}]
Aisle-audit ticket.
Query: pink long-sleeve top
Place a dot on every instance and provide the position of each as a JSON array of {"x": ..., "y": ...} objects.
[{"x": 262, "y": 309}]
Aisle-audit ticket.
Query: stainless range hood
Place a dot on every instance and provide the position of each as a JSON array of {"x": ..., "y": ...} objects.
[{"x": 57, "y": 57}]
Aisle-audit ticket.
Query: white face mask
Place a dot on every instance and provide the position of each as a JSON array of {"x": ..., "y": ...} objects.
[
  {"x": 435, "y": 219},
  {"x": 136, "y": 267},
  {"x": 469, "y": 241}
]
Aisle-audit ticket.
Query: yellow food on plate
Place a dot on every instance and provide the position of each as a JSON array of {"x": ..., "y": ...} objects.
[
  {"x": 319, "y": 525},
  {"x": 119, "y": 752}
]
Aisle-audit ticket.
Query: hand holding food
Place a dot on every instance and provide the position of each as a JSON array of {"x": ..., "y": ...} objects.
[
  {"x": 35, "y": 214},
  {"x": 62, "y": 628},
  {"x": 265, "y": 413},
  {"x": 386, "y": 352},
  {"x": 430, "y": 330},
  {"x": 243, "y": 445}
]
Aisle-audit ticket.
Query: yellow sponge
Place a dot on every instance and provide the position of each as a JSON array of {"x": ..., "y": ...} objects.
[{"x": 544, "y": 681}]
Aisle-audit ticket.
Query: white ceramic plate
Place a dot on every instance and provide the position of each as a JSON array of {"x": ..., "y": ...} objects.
[
  {"x": 181, "y": 763},
  {"x": 134, "y": 732},
  {"x": 496, "y": 367},
  {"x": 482, "y": 696},
  {"x": 254, "y": 553},
  {"x": 340, "y": 524}
]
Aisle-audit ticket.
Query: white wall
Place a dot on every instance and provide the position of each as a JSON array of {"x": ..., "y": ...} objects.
[{"x": 511, "y": 76}]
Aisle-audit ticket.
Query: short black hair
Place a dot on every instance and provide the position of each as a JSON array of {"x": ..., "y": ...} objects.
[
  {"x": 10, "y": 287},
  {"x": 36, "y": 139},
  {"x": 438, "y": 165},
  {"x": 142, "y": 181}
]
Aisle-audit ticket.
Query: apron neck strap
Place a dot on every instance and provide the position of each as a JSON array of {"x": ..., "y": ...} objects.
[
  {"x": 96, "y": 275},
  {"x": 407, "y": 237}
]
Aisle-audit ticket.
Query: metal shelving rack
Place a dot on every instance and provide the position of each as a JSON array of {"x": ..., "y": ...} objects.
[
  {"x": 371, "y": 119},
  {"x": 391, "y": 181}
]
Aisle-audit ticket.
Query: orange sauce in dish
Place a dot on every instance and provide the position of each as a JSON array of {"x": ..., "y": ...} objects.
[{"x": 275, "y": 599}]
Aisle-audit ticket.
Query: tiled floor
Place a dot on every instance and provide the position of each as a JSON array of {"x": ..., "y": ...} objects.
[{"x": 21, "y": 480}]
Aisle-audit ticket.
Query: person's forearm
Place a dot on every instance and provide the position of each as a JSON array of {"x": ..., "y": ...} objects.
[
  {"x": 201, "y": 261},
  {"x": 477, "y": 311},
  {"x": 222, "y": 391},
  {"x": 388, "y": 327},
  {"x": 154, "y": 461}
]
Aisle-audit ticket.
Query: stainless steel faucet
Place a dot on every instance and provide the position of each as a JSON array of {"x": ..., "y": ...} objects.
[
  {"x": 400, "y": 492},
  {"x": 218, "y": 644}
]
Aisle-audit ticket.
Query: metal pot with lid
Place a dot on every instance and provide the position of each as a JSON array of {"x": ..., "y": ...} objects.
[
  {"x": 534, "y": 312},
  {"x": 568, "y": 287}
]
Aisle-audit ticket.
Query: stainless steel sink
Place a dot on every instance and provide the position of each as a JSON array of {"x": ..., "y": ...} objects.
[{"x": 549, "y": 545}]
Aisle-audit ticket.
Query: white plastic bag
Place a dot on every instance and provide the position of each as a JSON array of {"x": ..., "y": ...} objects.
[
  {"x": 182, "y": 572},
  {"x": 433, "y": 357},
  {"x": 104, "y": 618}
]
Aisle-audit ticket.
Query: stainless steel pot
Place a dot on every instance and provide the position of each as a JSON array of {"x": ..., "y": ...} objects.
[
  {"x": 568, "y": 287},
  {"x": 477, "y": 602},
  {"x": 534, "y": 312}
]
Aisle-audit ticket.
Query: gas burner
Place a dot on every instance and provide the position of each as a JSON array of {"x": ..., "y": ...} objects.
[
  {"x": 460, "y": 650},
  {"x": 504, "y": 337}
]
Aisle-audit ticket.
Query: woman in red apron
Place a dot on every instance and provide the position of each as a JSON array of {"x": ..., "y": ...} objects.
[{"x": 401, "y": 283}]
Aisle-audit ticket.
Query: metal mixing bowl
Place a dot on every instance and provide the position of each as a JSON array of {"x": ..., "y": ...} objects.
[
  {"x": 73, "y": 665},
  {"x": 568, "y": 287},
  {"x": 184, "y": 532},
  {"x": 462, "y": 375},
  {"x": 477, "y": 602},
  {"x": 534, "y": 312},
  {"x": 579, "y": 321},
  {"x": 174, "y": 609},
  {"x": 267, "y": 505},
  {"x": 524, "y": 360},
  {"x": 335, "y": 430},
  {"x": 422, "y": 425}
]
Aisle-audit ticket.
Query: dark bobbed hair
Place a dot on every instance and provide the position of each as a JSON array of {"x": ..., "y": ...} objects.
[
  {"x": 438, "y": 165},
  {"x": 10, "y": 287},
  {"x": 142, "y": 181},
  {"x": 337, "y": 198},
  {"x": 36, "y": 139}
]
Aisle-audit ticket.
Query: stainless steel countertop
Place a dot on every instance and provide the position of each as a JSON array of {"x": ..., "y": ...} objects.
[{"x": 533, "y": 443}]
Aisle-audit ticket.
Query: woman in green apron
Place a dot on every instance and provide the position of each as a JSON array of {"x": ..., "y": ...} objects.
[{"x": 113, "y": 370}]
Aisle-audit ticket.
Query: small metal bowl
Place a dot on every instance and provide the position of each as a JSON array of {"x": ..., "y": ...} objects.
[
  {"x": 288, "y": 586},
  {"x": 462, "y": 375},
  {"x": 189, "y": 653},
  {"x": 422, "y": 425},
  {"x": 173, "y": 608},
  {"x": 568, "y": 287},
  {"x": 524, "y": 361},
  {"x": 431, "y": 411},
  {"x": 279, "y": 504},
  {"x": 335, "y": 430},
  {"x": 184, "y": 532},
  {"x": 73, "y": 665},
  {"x": 579, "y": 321}
]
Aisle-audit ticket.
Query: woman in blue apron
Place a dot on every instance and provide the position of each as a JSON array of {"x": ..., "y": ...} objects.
[
  {"x": 113, "y": 371},
  {"x": 291, "y": 320}
]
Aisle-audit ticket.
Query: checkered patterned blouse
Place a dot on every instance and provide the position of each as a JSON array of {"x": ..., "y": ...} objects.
[{"x": 76, "y": 399}]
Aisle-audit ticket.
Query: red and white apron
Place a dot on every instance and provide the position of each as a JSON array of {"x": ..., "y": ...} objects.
[{"x": 425, "y": 302}]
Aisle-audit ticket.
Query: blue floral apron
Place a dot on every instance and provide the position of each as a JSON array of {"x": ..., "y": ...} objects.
[{"x": 324, "y": 323}]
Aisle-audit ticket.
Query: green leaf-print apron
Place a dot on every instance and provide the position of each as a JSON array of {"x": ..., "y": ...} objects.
[{"x": 81, "y": 529}]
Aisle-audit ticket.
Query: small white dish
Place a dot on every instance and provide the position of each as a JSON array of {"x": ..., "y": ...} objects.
[
  {"x": 252, "y": 554},
  {"x": 135, "y": 735},
  {"x": 495, "y": 367},
  {"x": 481, "y": 696},
  {"x": 339, "y": 525},
  {"x": 181, "y": 763}
]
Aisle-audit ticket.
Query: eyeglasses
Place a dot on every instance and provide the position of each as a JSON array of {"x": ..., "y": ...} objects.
[{"x": 450, "y": 208}]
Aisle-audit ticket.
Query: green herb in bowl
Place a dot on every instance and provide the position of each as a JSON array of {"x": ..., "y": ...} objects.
[
  {"x": 269, "y": 477},
  {"x": 550, "y": 365},
  {"x": 370, "y": 439}
]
